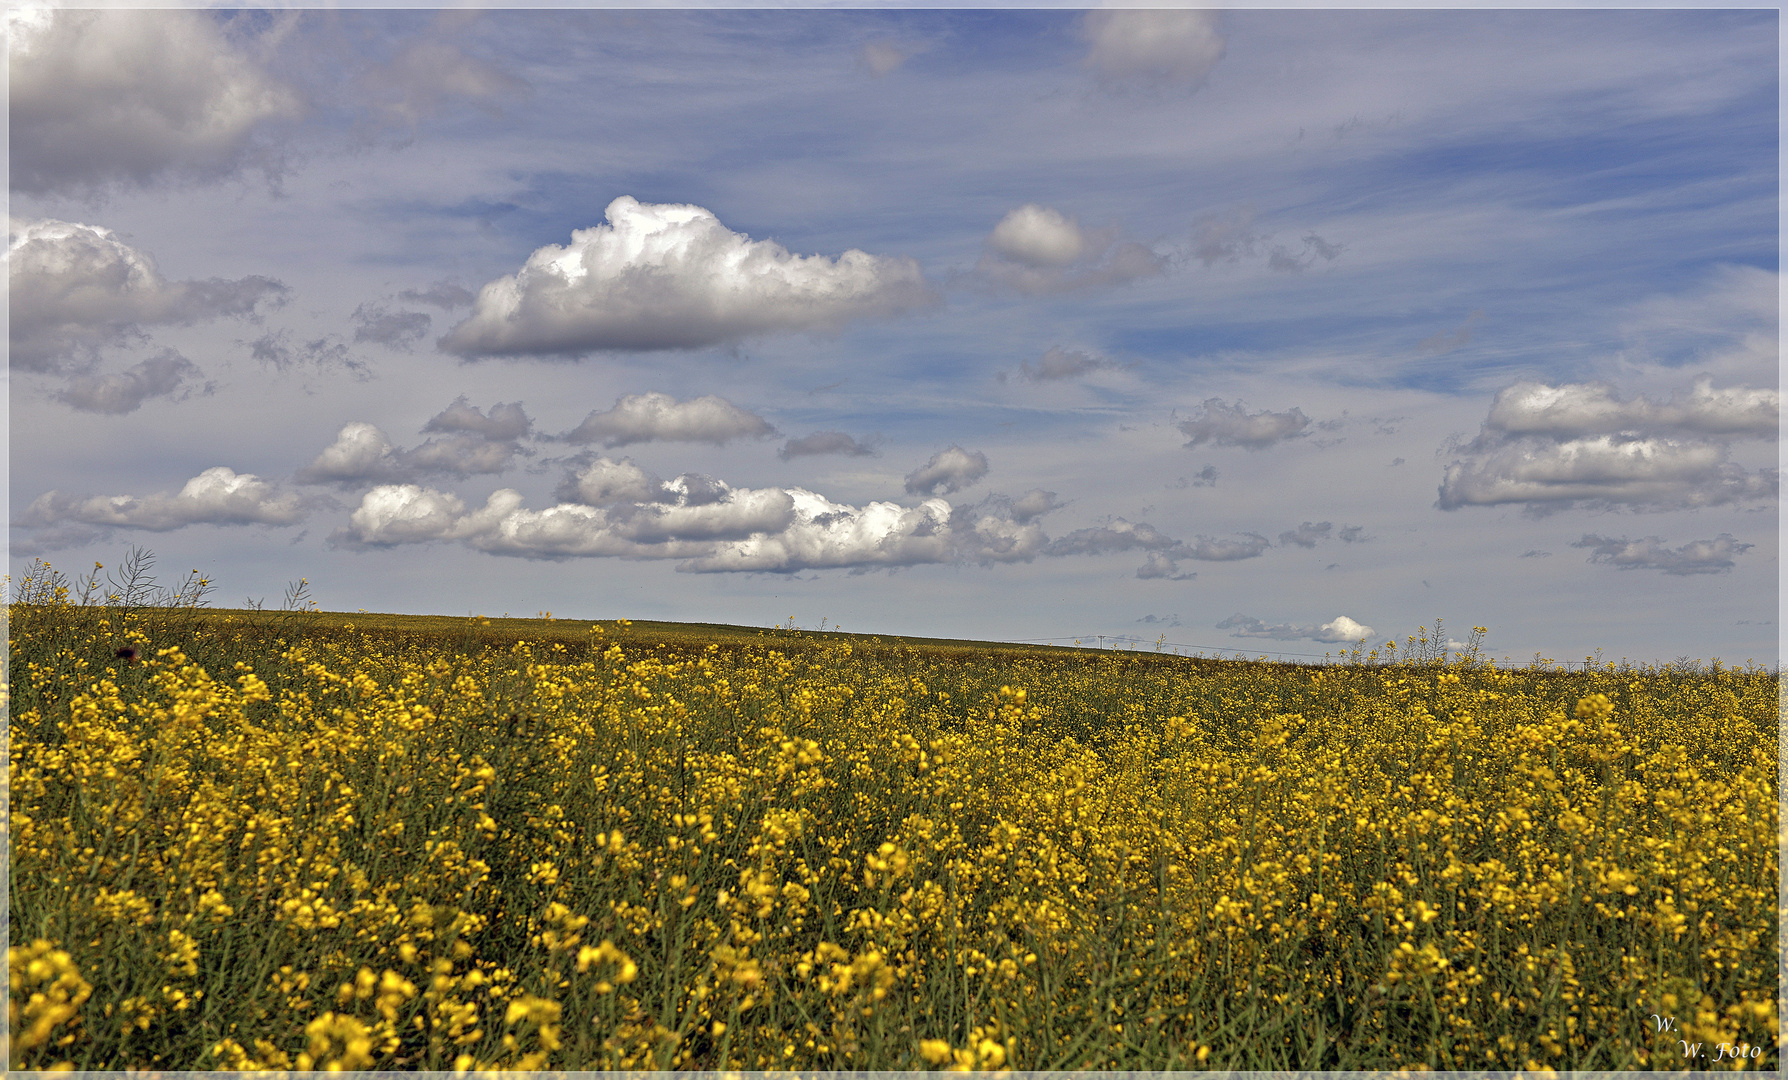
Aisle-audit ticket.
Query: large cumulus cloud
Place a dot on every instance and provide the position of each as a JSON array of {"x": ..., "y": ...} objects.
[
  {"x": 668, "y": 276},
  {"x": 1583, "y": 444},
  {"x": 133, "y": 96},
  {"x": 78, "y": 287}
]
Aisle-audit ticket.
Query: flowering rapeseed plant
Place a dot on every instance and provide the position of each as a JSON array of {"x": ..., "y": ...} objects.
[{"x": 313, "y": 847}]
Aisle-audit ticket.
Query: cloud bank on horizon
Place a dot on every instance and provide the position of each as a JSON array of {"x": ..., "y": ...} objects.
[{"x": 1235, "y": 320}]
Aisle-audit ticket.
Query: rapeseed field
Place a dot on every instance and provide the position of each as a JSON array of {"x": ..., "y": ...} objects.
[{"x": 257, "y": 840}]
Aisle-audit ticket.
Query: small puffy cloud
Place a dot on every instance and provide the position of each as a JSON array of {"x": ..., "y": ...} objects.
[
  {"x": 133, "y": 96},
  {"x": 1037, "y": 249},
  {"x": 604, "y": 482},
  {"x": 949, "y": 470},
  {"x": 1160, "y": 566},
  {"x": 78, "y": 287},
  {"x": 445, "y": 295},
  {"x": 665, "y": 276},
  {"x": 406, "y": 514},
  {"x": 396, "y": 329},
  {"x": 360, "y": 452},
  {"x": 1649, "y": 553},
  {"x": 124, "y": 392},
  {"x": 1307, "y": 534},
  {"x": 1339, "y": 630},
  {"x": 1038, "y": 236},
  {"x": 1119, "y": 535},
  {"x": 638, "y": 418},
  {"x": 1213, "y": 550},
  {"x": 1161, "y": 45},
  {"x": 504, "y": 422},
  {"x": 1034, "y": 503},
  {"x": 1353, "y": 534},
  {"x": 1342, "y": 629},
  {"x": 1222, "y": 424},
  {"x": 217, "y": 496},
  {"x": 1601, "y": 471},
  {"x": 1060, "y": 363},
  {"x": 824, "y": 442},
  {"x": 1575, "y": 410},
  {"x": 461, "y": 455},
  {"x": 472, "y": 443}
]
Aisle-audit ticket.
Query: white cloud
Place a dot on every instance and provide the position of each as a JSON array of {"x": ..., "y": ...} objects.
[
  {"x": 1037, "y": 249},
  {"x": 474, "y": 444},
  {"x": 78, "y": 287},
  {"x": 1339, "y": 630},
  {"x": 1222, "y": 424},
  {"x": 709, "y": 526},
  {"x": 1649, "y": 553},
  {"x": 1583, "y": 443},
  {"x": 1573, "y": 410},
  {"x": 124, "y": 392},
  {"x": 217, "y": 496},
  {"x": 1342, "y": 629},
  {"x": 360, "y": 452},
  {"x": 667, "y": 276},
  {"x": 603, "y": 482},
  {"x": 1038, "y": 236},
  {"x": 656, "y": 417},
  {"x": 825, "y": 442},
  {"x": 1604, "y": 470},
  {"x": 406, "y": 514},
  {"x": 133, "y": 96},
  {"x": 949, "y": 470},
  {"x": 1161, "y": 45}
]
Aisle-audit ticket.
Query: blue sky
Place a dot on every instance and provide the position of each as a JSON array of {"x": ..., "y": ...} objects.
[{"x": 1258, "y": 330}]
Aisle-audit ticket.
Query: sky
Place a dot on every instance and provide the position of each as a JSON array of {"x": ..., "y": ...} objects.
[{"x": 1257, "y": 331}]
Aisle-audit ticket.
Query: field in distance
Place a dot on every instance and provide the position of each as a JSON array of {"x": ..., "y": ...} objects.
[{"x": 296, "y": 840}]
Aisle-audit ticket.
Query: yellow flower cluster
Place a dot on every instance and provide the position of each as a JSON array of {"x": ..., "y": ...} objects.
[{"x": 349, "y": 849}]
